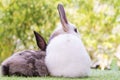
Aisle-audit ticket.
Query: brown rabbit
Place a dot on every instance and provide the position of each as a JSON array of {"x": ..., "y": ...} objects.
[{"x": 28, "y": 62}]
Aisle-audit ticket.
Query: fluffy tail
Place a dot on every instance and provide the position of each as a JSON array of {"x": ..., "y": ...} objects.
[{"x": 5, "y": 70}]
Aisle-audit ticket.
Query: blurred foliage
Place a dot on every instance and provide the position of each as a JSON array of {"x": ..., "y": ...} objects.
[{"x": 97, "y": 20}]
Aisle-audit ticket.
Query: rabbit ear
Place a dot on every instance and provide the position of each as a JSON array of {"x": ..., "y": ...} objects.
[
  {"x": 40, "y": 41},
  {"x": 63, "y": 18}
]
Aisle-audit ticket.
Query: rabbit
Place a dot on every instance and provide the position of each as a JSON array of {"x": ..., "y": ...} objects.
[
  {"x": 66, "y": 55},
  {"x": 28, "y": 62}
]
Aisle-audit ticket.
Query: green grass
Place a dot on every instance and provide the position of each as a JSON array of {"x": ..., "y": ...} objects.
[{"x": 95, "y": 75}]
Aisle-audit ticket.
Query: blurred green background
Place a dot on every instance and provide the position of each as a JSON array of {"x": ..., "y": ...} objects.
[{"x": 98, "y": 22}]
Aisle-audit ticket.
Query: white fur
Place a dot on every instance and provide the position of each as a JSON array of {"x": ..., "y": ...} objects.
[
  {"x": 70, "y": 30},
  {"x": 66, "y": 56}
]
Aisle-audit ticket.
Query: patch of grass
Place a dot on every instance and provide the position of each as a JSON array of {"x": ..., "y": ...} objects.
[{"x": 95, "y": 75}]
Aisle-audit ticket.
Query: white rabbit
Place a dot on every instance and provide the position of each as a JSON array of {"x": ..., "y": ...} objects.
[
  {"x": 65, "y": 54},
  {"x": 28, "y": 62}
]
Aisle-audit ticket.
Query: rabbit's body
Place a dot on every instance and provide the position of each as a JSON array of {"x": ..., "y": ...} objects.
[
  {"x": 65, "y": 54},
  {"x": 27, "y": 63},
  {"x": 68, "y": 60}
]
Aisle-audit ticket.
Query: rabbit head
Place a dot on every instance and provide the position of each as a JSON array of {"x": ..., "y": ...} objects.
[
  {"x": 65, "y": 26},
  {"x": 28, "y": 62}
]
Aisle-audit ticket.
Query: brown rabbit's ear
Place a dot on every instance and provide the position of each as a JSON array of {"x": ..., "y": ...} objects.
[
  {"x": 40, "y": 41},
  {"x": 63, "y": 18}
]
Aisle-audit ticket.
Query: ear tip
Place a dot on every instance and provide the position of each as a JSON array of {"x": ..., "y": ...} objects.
[
  {"x": 35, "y": 32},
  {"x": 60, "y": 5}
]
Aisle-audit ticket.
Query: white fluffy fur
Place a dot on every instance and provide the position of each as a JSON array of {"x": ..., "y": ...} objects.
[{"x": 66, "y": 56}]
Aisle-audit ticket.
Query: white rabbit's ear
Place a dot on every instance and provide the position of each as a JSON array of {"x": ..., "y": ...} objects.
[
  {"x": 40, "y": 41},
  {"x": 63, "y": 18}
]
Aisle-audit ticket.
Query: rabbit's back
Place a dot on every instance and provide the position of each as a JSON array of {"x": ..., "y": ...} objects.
[
  {"x": 16, "y": 65},
  {"x": 25, "y": 63},
  {"x": 67, "y": 56}
]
